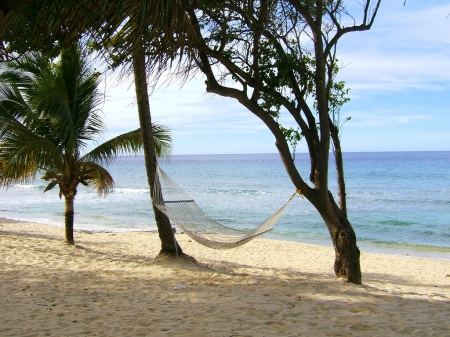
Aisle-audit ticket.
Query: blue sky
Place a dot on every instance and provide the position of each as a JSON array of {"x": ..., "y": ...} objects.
[{"x": 398, "y": 72}]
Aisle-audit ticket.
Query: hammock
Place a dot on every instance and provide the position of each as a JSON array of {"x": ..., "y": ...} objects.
[{"x": 182, "y": 210}]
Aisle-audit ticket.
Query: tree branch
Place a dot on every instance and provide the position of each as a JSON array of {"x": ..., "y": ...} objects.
[{"x": 363, "y": 27}]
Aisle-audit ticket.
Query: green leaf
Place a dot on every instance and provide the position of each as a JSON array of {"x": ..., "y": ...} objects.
[{"x": 51, "y": 185}]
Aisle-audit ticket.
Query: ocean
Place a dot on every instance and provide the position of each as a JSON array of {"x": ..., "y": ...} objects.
[{"x": 398, "y": 202}]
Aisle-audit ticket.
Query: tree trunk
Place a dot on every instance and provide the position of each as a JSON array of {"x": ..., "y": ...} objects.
[
  {"x": 347, "y": 254},
  {"x": 314, "y": 123},
  {"x": 339, "y": 161},
  {"x": 169, "y": 244},
  {"x": 347, "y": 264},
  {"x": 68, "y": 220}
]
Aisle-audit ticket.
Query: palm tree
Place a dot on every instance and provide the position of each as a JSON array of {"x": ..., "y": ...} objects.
[
  {"x": 49, "y": 115},
  {"x": 140, "y": 41},
  {"x": 125, "y": 26}
]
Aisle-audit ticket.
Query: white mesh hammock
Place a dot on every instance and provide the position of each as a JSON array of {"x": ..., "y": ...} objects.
[{"x": 182, "y": 210}]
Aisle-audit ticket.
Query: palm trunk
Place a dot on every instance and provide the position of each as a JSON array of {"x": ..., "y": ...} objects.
[
  {"x": 68, "y": 220},
  {"x": 168, "y": 243}
]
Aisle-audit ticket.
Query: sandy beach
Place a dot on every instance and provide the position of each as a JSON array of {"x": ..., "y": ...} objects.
[{"x": 111, "y": 285}]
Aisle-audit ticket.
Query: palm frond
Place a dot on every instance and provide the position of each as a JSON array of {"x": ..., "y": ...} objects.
[
  {"x": 29, "y": 64},
  {"x": 11, "y": 76},
  {"x": 12, "y": 83},
  {"x": 23, "y": 154},
  {"x": 50, "y": 186},
  {"x": 67, "y": 93},
  {"x": 162, "y": 139},
  {"x": 105, "y": 153},
  {"x": 97, "y": 177},
  {"x": 48, "y": 97},
  {"x": 16, "y": 110},
  {"x": 82, "y": 86},
  {"x": 23, "y": 151},
  {"x": 131, "y": 142}
]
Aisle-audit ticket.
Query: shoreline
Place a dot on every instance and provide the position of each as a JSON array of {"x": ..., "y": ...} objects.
[
  {"x": 391, "y": 249},
  {"x": 111, "y": 284}
]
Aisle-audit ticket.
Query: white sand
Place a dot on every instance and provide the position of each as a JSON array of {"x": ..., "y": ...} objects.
[{"x": 110, "y": 285}]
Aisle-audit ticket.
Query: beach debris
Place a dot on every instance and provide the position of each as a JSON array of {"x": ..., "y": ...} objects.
[{"x": 178, "y": 287}]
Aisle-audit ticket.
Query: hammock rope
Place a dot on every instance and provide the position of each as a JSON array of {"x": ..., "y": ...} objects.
[{"x": 182, "y": 210}]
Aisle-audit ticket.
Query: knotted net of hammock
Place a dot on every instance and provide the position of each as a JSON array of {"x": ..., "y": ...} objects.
[{"x": 182, "y": 210}]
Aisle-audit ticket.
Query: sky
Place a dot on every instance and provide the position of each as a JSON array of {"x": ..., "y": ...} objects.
[{"x": 398, "y": 73}]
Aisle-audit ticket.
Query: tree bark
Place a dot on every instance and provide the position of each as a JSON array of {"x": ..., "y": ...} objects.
[
  {"x": 169, "y": 245},
  {"x": 68, "y": 220},
  {"x": 347, "y": 254},
  {"x": 339, "y": 161}
]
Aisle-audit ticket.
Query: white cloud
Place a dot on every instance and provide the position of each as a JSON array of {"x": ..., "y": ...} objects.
[
  {"x": 407, "y": 48},
  {"x": 406, "y": 119},
  {"x": 399, "y": 73},
  {"x": 383, "y": 117}
]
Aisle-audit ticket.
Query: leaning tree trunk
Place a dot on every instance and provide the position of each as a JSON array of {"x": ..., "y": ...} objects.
[
  {"x": 168, "y": 243},
  {"x": 68, "y": 220},
  {"x": 347, "y": 262},
  {"x": 347, "y": 254}
]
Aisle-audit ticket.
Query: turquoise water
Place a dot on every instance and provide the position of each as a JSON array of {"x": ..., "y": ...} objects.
[{"x": 398, "y": 202}]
